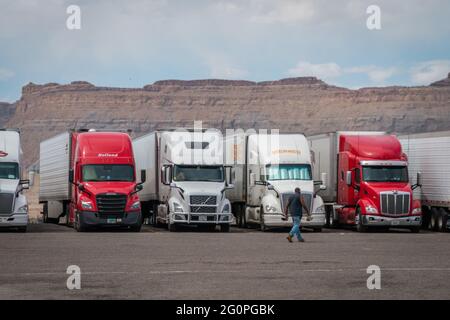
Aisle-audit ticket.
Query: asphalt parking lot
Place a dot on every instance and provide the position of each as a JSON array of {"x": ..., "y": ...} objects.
[{"x": 242, "y": 264}]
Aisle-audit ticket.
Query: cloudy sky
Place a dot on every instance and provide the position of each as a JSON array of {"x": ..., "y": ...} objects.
[{"x": 136, "y": 42}]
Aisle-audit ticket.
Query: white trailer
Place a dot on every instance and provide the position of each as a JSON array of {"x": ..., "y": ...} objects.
[
  {"x": 186, "y": 178},
  {"x": 429, "y": 155},
  {"x": 267, "y": 169},
  {"x": 54, "y": 190},
  {"x": 13, "y": 204}
]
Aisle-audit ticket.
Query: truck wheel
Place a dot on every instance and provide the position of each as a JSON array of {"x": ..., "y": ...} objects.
[
  {"x": 415, "y": 229},
  {"x": 262, "y": 224},
  {"x": 136, "y": 228},
  {"x": 434, "y": 219},
  {"x": 172, "y": 227},
  {"x": 22, "y": 229},
  {"x": 224, "y": 228},
  {"x": 79, "y": 225},
  {"x": 359, "y": 226},
  {"x": 442, "y": 220}
]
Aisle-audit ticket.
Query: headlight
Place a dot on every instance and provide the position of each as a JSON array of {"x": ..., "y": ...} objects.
[
  {"x": 320, "y": 210},
  {"x": 177, "y": 207},
  {"x": 270, "y": 209},
  {"x": 371, "y": 209},
  {"x": 417, "y": 211},
  {"x": 136, "y": 205},
  {"x": 226, "y": 208},
  {"x": 22, "y": 209},
  {"x": 86, "y": 204}
]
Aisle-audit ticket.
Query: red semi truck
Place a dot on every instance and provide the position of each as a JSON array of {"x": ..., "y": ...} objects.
[
  {"x": 89, "y": 177},
  {"x": 369, "y": 184}
]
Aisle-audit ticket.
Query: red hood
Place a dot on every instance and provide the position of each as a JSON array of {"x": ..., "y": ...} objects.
[{"x": 110, "y": 187}]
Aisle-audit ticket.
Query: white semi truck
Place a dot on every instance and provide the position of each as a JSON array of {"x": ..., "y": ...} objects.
[
  {"x": 13, "y": 203},
  {"x": 429, "y": 155},
  {"x": 267, "y": 168},
  {"x": 186, "y": 178}
]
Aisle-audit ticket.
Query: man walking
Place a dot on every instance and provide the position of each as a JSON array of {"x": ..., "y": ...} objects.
[{"x": 295, "y": 206}]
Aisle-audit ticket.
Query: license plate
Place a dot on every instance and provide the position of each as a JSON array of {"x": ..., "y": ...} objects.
[
  {"x": 203, "y": 218},
  {"x": 111, "y": 220},
  {"x": 395, "y": 223}
]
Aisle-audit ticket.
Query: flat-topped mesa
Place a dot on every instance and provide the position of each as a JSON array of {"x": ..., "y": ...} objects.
[
  {"x": 204, "y": 82},
  {"x": 308, "y": 81},
  {"x": 295, "y": 81},
  {"x": 442, "y": 83},
  {"x": 33, "y": 88}
]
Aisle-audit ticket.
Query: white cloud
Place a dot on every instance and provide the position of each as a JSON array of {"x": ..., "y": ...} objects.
[
  {"x": 5, "y": 74},
  {"x": 287, "y": 11},
  {"x": 221, "y": 68},
  {"x": 322, "y": 71},
  {"x": 427, "y": 72},
  {"x": 331, "y": 70},
  {"x": 377, "y": 75}
]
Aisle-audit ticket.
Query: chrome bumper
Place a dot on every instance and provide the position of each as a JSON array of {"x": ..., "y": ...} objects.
[
  {"x": 400, "y": 222},
  {"x": 201, "y": 218},
  {"x": 274, "y": 220},
  {"x": 15, "y": 220}
]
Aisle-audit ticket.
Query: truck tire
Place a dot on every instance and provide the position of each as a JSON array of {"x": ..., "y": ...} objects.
[
  {"x": 22, "y": 229},
  {"x": 224, "y": 228},
  {"x": 434, "y": 219},
  {"x": 359, "y": 226},
  {"x": 172, "y": 227},
  {"x": 136, "y": 228},
  {"x": 442, "y": 220},
  {"x": 262, "y": 224},
  {"x": 79, "y": 225}
]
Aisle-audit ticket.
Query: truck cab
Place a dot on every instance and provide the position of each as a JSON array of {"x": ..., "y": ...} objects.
[
  {"x": 268, "y": 168},
  {"x": 372, "y": 184},
  {"x": 90, "y": 177},
  {"x": 13, "y": 203},
  {"x": 187, "y": 178}
]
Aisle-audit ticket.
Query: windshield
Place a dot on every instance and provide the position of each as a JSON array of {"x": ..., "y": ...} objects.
[
  {"x": 385, "y": 174},
  {"x": 198, "y": 173},
  {"x": 107, "y": 172},
  {"x": 9, "y": 170},
  {"x": 289, "y": 172}
]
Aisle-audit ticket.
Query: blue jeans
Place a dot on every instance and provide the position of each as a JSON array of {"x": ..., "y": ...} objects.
[{"x": 295, "y": 231}]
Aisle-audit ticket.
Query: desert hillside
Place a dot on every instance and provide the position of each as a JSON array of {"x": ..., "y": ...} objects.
[{"x": 304, "y": 105}]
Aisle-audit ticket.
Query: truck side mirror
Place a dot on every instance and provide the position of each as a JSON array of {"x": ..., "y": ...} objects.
[
  {"x": 418, "y": 181},
  {"x": 25, "y": 184},
  {"x": 166, "y": 175},
  {"x": 324, "y": 184},
  {"x": 252, "y": 179},
  {"x": 348, "y": 178},
  {"x": 71, "y": 176},
  {"x": 143, "y": 176}
]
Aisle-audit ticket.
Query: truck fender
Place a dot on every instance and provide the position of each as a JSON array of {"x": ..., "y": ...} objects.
[{"x": 363, "y": 203}]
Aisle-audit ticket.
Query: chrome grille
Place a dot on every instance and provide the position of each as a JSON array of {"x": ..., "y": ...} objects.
[
  {"x": 202, "y": 200},
  {"x": 6, "y": 203},
  {"x": 306, "y": 196},
  {"x": 111, "y": 204},
  {"x": 203, "y": 204},
  {"x": 395, "y": 203},
  {"x": 203, "y": 209}
]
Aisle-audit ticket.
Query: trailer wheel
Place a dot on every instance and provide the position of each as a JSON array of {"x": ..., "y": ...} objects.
[
  {"x": 442, "y": 220},
  {"x": 359, "y": 226}
]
